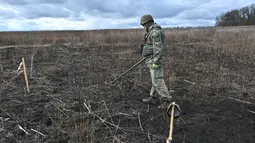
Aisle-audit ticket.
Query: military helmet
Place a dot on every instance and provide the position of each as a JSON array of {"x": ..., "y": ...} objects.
[{"x": 146, "y": 18}]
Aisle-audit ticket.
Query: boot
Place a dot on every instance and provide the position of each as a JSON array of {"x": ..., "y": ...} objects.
[
  {"x": 151, "y": 99},
  {"x": 165, "y": 102},
  {"x": 164, "y": 105}
]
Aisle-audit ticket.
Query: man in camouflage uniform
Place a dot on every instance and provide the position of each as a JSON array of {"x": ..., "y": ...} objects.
[{"x": 152, "y": 49}]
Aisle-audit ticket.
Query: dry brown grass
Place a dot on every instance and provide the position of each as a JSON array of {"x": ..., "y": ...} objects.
[
  {"x": 86, "y": 37},
  {"x": 230, "y": 38}
]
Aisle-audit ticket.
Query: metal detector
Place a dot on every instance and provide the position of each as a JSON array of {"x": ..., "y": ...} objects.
[
  {"x": 174, "y": 111},
  {"x": 139, "y": 62}
]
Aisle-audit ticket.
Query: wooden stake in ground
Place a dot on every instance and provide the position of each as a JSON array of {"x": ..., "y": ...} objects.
[{"x": 25, "y": 74}]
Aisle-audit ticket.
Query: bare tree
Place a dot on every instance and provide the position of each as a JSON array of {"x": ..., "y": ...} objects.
[{"x": 243, "y": 16}]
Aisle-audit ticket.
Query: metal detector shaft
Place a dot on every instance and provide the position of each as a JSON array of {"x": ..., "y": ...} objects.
[{"x": 128, "y": 70}]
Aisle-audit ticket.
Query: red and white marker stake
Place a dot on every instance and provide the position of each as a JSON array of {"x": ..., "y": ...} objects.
[{"x": 22, "y": 69}]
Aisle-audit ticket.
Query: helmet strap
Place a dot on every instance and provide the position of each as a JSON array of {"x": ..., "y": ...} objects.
[{"x": 148, "y": 24}]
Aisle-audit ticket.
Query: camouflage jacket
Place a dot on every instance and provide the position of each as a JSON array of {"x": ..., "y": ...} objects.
[{"x": 155, "y": 37}]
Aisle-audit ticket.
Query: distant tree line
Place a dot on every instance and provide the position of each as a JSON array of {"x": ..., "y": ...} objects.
[{"x": 243, "y": 16}]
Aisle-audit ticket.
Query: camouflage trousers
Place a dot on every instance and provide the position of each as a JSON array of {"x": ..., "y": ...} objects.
[{"x": 158, "y": 83}]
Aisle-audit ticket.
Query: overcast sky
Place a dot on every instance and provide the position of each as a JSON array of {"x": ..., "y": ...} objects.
[{"x": 23, "y": 15}]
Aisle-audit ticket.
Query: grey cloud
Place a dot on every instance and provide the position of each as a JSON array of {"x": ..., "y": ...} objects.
[
  {"x": 180, "y": 12},
  {"x": 132, "y": 24},
  {"x": 196, "y": 14},
  {"x": 32, "y": 9},
  {"x": 187, "y": 22},
  {"x": 32, "y": 23},
  {"x": 25, "y": 2},
  {"x": 131, "y": 8},
  {"x": 7, "y": 14},
  {"x": 43, "y": 10},
  {"x": 13, "y": 2},
  {"x": 106, "y": 9}
]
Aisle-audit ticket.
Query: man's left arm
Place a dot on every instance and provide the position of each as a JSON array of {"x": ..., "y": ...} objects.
[{"x": 157, "y": 46}]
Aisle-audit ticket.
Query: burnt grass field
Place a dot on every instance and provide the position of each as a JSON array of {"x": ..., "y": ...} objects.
[{"x": 210, "y": 72}]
